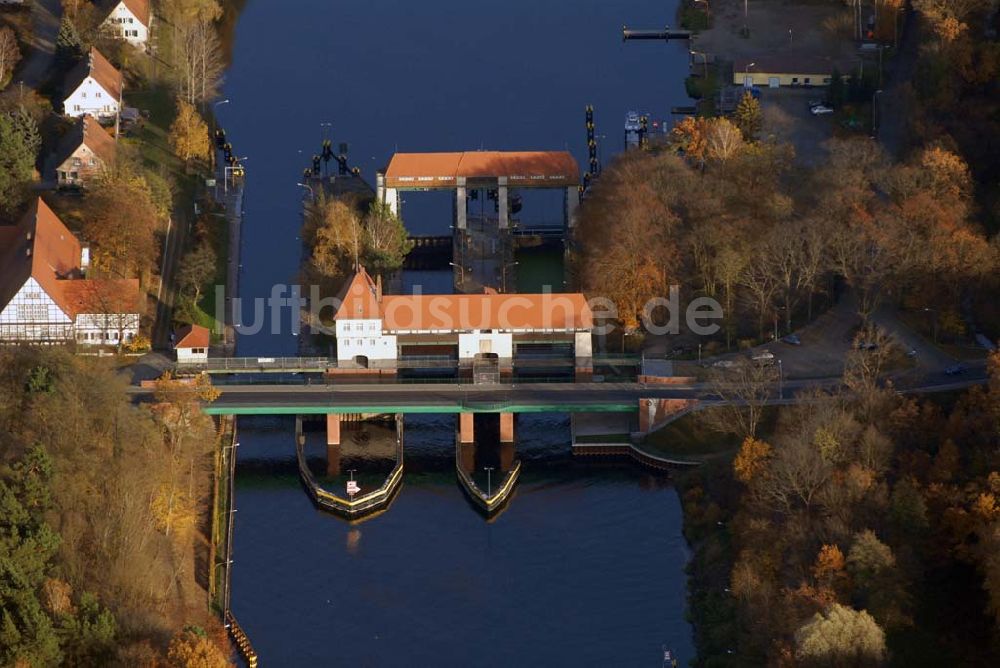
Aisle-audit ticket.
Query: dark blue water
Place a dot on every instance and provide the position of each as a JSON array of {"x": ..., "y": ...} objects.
[{"x": 586, "y": 565}]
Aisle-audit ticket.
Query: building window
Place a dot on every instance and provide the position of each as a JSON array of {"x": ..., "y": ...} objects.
[
  {"x": 806, "y": 80},
  {"x": 795, "y": 80}
]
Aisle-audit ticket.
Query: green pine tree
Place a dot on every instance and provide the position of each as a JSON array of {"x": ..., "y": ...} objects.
[
  {"x": 69, "y": 47},
  {"x": 19, "y": 144}
]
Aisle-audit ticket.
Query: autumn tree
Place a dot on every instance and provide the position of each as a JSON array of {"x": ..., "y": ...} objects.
[
  {"x": 194, "y": 648},
  {"x": 121, "y": 221},
  {"x": 189, "y": 439},
  {"x": 633, "y": 265},
  {"x": 724, "y": 140},
  {"x": 189, "y": 133},
  {"x": 386, "y": 241},
  {"x": 751, "y": 460},
  {"x": 743, "y": 391},
  {"x": 841, "y": 636},
  {"x": 690, "y": 138},
  {"x": 748, "y": 116},
  {"x": 10, "y": 54},
  {"x": 196, "y": 269},
  {"x": 334, "y": 232}
]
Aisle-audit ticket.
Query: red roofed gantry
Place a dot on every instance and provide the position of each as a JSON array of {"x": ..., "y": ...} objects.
[{"x": 523, "y": 169}]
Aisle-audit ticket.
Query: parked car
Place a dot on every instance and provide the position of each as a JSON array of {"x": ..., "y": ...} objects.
[
  {"x": 955, "y": 370},
  {"x": 793, "y": 340},
  {"x": 724, "y": 364},
  {"x": 821, "y": 109},
  {"x": 815, "y": 103},
  {"x": 764, "y": 358},
  {"x": 867, "y": 345}
]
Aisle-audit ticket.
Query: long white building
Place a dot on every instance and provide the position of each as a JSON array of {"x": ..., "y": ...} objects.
[
  {"x": 374, "y": 331},
  {"x": 44, "y": 295}
]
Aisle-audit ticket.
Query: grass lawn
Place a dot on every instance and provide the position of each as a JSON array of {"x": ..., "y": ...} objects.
[
  {"x": 204, "y": 312},
  {"x": 691, "y": 437}
]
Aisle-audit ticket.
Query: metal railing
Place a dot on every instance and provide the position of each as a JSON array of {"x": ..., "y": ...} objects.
[
  {"x": 362, "y": 505},
  {"x": 488, "y": 503},
  {"x": 242, "y": 641}
]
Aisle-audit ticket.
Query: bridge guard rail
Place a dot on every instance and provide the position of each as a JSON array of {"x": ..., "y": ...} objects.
[{"x": 364, "y": 505}]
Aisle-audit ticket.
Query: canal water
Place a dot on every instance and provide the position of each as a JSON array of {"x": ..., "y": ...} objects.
[{"x": 586, "y": 565}]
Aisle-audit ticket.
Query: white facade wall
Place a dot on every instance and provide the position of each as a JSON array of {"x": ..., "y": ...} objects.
[
  {"x": 472, "y": 343},
  {"x": 78, "y": 167},
  {"x": 364, "y": 338},
  {"x": 124, "y": 24},
  {"x": 192, "y": 355},
  {"x": 33, "y": 316},
  {"x": 583, "y": 345},
  {"x": 109, "y": 329},
  {"x": 91, "y": 98}
]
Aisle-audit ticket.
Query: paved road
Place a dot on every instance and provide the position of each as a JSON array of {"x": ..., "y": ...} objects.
[
  {"x": 893, "y": 101},
  {"x": 565, "y": 397},
  {"x": 38, "y": 66}
]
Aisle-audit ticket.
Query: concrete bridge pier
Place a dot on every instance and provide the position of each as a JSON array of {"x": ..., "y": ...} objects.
[
  {"x": 332, "y": 460},
  {"x": 466, "y": 429},
  {"x": 467, "y": 457},
  {"x": 333, "y": 429},
  {"x": 332, "y": 444}
]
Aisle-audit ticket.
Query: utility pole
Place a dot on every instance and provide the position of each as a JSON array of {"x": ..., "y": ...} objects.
[{"x": 489, "y": 480}]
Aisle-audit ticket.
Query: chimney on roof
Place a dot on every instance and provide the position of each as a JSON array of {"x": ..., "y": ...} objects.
[{"x": 378, "y": 288}]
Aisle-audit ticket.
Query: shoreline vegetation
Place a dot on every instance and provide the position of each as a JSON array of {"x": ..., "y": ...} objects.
[{"x": 110, "y": 515}]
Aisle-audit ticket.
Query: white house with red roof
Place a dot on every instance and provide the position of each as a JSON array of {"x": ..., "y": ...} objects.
[
  {"x": 131, "y": 21},
  {"x": 44, "y": 295},
  {"x": 375, "y": 330},
  {"x": 191, "y": 344},
  {"x": 93, "y": 87}
]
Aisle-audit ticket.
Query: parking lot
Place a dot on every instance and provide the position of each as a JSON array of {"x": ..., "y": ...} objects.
[{"x": 787, "y": 119}]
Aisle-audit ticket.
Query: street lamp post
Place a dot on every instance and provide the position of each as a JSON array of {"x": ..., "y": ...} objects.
[
  {"x": 781, "y": 381},
  {"x": 934, "y": 330},
  {"x": 747, "y": 83},
  {"x": 309, "y": 188},
  {"x": 503, "y": 278},
  {"x": 461, "y": 275},
  {"x": 875, "y": 118},
  {"x": 489, "y": 480},
  {"x": 704, "y": 59}
]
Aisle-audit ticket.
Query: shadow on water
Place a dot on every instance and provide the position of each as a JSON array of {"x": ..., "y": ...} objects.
[{"x": 586, "y": 565}]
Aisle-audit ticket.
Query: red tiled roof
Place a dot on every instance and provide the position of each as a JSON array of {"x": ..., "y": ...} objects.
[
  {"x": 539, "y": 169},
  {"x": 358, "y": 298},
  {"x": 564, "y": 311},
  {"x": 97, "y": 66},
  {"x": 98, "y": 295},
  {"x": 192, "y": 336},
  {"x": 139, "y": 8},
  {"x": 490, "y": 310},
  {"x": 43, "y": 249},
  {"x": 90, "y": 133}
]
